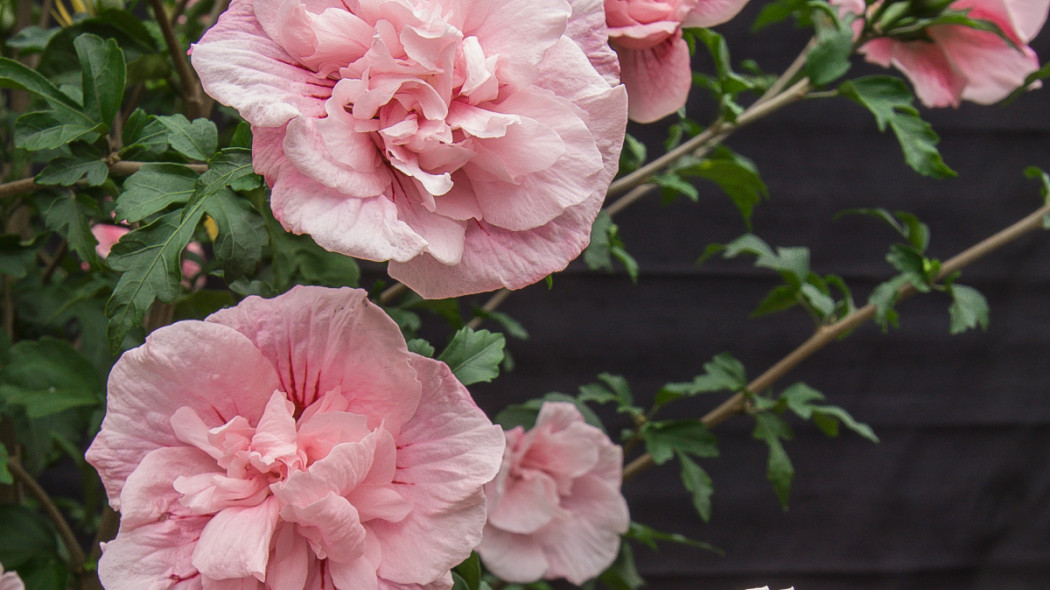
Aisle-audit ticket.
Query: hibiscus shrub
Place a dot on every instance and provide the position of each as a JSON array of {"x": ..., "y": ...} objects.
[{"x": 236, "y": 236}]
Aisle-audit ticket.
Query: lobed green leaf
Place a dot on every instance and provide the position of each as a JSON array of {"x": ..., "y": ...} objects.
[{"x": 474, "y": 356}]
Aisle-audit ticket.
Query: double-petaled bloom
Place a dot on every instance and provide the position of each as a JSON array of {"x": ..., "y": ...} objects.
[
  {"x": 555, "y": 509},
  {"x": 468, "y": 142},
  {"x": 288, "y": 443}
]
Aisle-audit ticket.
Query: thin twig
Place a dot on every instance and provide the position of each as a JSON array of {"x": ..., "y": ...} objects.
[
  {"x": 392, "y": 292},
  {"x": 497, "y": 298},
  {"x": 191, "y": 88},
  {"x": 827, "y": 334},
  {"x": 117, "y": 168},
  {"x": 76, "y": 554}
]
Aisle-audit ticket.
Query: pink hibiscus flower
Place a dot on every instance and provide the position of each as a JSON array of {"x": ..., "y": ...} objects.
[
  {"x": 961, "y": 63},
  {"x": 654, "y": 59},
  {"x": 293, "y": 442},
  {"x": 469, "y": 142},
  {"x": 555, "y": 509}
]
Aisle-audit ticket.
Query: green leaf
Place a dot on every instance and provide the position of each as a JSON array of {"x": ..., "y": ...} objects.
[
  {"x": 827, "y": 418},
  {"x": 799, "y": 399},
  {"x": 884, "y": 297},
  {"x": 144, "y": 133},
  {"x": 242, "y": 233},
  {"x": 613, "y": 388},
  {"x": 16, "y": 256},
  {"x": 777, "y": 11},
  {"x": 791, "y": 263},
  {"x": 48, "y": 376},
  {"x": 828, "y": 60},
  {"x": 737, "y": 176},
  {"x": 102, "y": 70},
  {"x": 151, "y": 260},
  {"x": 969, "y": 309},
  {"x": 470, "y": 571},
  {"x": 650, "y": 536},
  {"x": 15, "y": 75},
  {"x": 197, "y": 140},
  {"x": 224, "y": 168},
  {"x": 890, "y": 100},
  {"x": 66, "y": 171},
  {"x": 154, "y": 188},
  {"x": 605, "y": 245},
  {"x": 31, "y": 39},
  {"x": 474, "y": 356},
  {"x": 45, "y": 130},
  {"x": 664, "y": 439},
  {"x": 674, "y": 185},
  {"x": 24, "y": 536},
  {"x": 722, "y": 373},
  {"x": 771, "y": 429},
  {"x": 623, "y": 573},
  {"x": 421, "y": 346},
  {"x": 70, "y": 216},
  {"x": 698, "y": 482}
]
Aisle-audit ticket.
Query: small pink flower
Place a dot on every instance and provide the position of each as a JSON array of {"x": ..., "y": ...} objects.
[
  {"x": 654, "y": 59},
  {"x": 290, "y": 443},
  {"x": 469, "y": 142},
  {"x": 10, "y": 580},
  {"x": 555, "y": 509},
  {"x": 960, "y": 63}
]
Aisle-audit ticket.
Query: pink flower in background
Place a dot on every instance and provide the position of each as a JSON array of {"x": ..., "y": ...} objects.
[
  {"x": 10, "y": 580},
  {"x": 961, "y": 63},
  {"x": 555, "y": 509},
  {"x": 654, "y": 59},
  {"x": 107, "y": 234},
  {"x": 290, "y": 443},
  {"x": 469, "y": 142}
]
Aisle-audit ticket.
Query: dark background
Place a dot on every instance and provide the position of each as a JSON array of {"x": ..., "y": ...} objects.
[{"x": 957, "y": 494}]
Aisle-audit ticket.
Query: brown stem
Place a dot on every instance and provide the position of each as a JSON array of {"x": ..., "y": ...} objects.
[
  {"x": 498, "y": 298},
  {"x": 76, "y": 554},
  {"x": 392, "y": 292},
  {"x": 191, "y": 88},
  {"x": 827, "y": 334},
  {"x": 117, "y": 168}
]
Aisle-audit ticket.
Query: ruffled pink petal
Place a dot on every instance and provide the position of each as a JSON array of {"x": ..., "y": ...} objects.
[
  {"x": 207, "y": 367},
  {"x": 709, "y": 13},
  {"x": 1021, "y": 19},
  {"x": 240, "y": 66},
  {"x": 516, "y": 558},
  {"x": 321, "y": 340},
  {"x": 359, "y": 574},
  {"x": 331, "y": 525},
  {"x": 446, "y": 453},
  {"x": 587, "y": 29},
  {"x": 156, "y": 555},
  {"x": 579, "y": 547},
  {"x": 937, "y": 83},
  {"x": 148, "y": 494},
  {"x": 991, "y": 68},
  {"x": 367, "y": 227},
  {"x": 526, "y": 504},
  {"x": 522, "y": 28},
  {"x": 236, "y": 542},
  {"x": 658, "y": 79},
  {"x": 291, "y": 560}
]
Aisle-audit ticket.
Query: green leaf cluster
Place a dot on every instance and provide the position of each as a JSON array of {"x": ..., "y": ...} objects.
[
  {"x": 801, "y": 287},
  {"x": 605, "y": 245},
  {"x": 890, "y": 100},
  {"x": 474, "y": 355}
]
